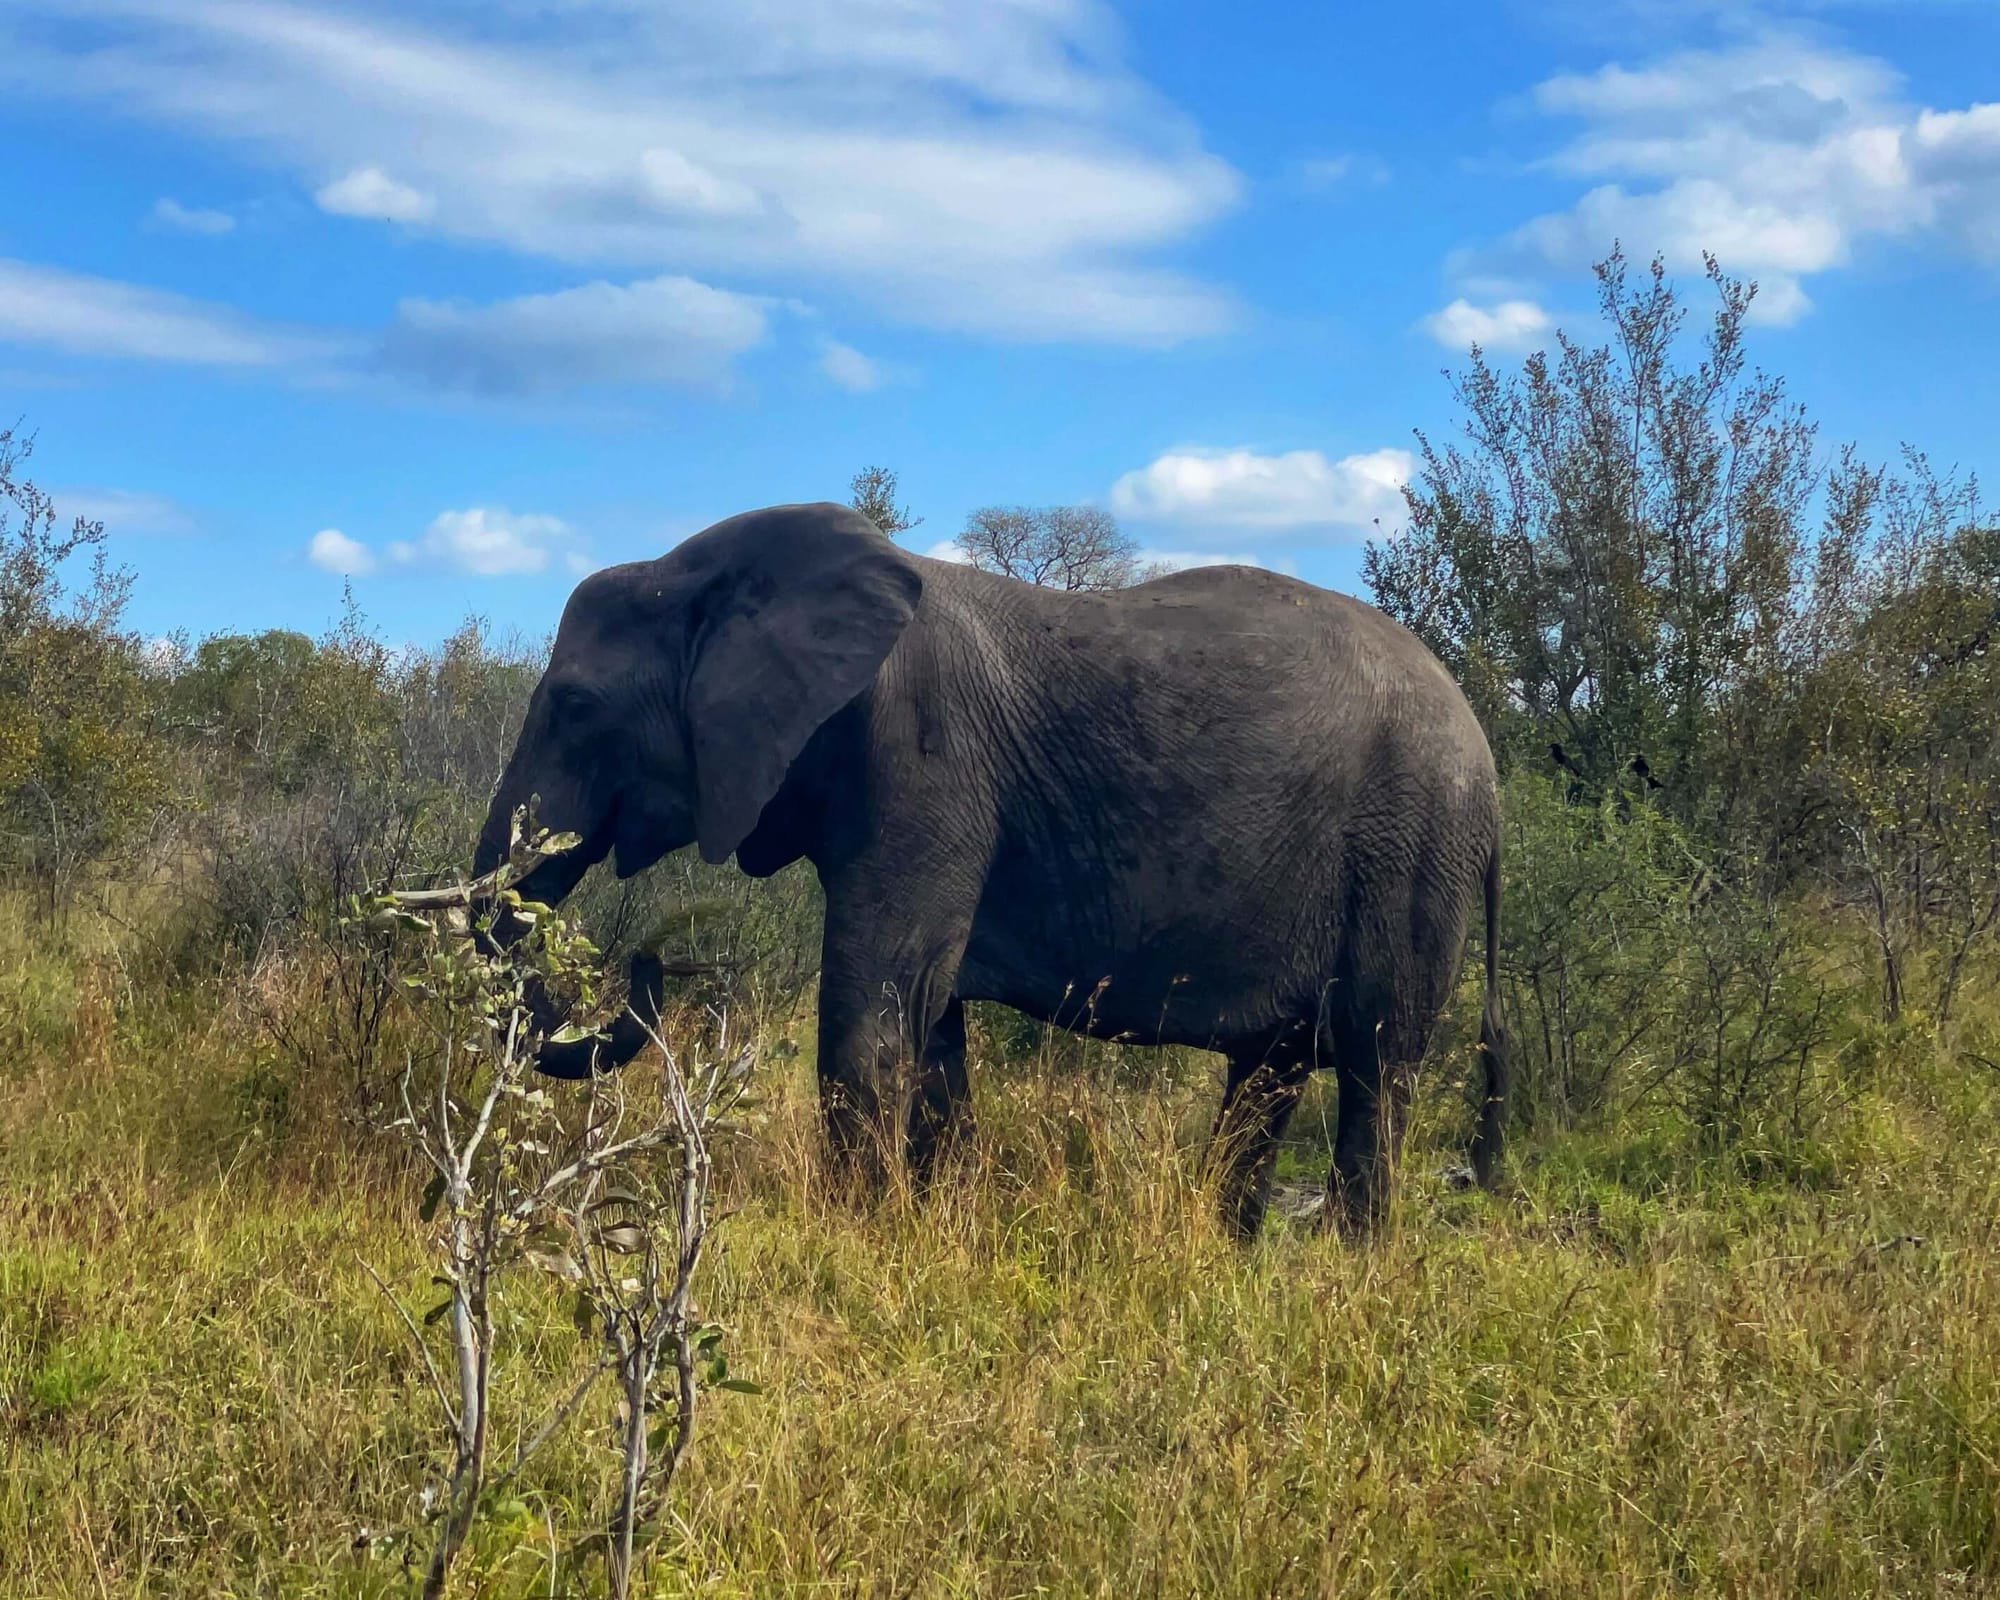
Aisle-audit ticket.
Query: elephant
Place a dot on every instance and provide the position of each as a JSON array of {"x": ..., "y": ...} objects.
[{"x": 1222, "y": 808}]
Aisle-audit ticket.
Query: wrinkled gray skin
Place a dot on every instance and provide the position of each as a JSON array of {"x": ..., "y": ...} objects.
[{"x": 1223, "y": 809}]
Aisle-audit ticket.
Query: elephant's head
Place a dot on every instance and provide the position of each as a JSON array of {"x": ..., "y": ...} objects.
[{"x": 679, "y": 693}]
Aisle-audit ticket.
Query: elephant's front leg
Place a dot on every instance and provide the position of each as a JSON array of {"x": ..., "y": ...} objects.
[{"x": 881, "y": 1003}]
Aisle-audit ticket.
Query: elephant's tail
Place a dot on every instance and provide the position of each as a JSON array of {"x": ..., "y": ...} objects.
[{"x": 1490, "y": 1138}]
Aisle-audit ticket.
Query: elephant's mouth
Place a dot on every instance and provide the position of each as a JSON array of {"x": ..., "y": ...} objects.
[{"x": 637, "y": 837}]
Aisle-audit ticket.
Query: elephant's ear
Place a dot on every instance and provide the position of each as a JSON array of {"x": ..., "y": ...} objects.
[{"x": 803, "y": 608}]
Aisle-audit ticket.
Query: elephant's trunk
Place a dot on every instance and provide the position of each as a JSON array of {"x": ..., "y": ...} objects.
[
  {"x": 550, "y": 883},
  {"x": 584, "y": 1058}
]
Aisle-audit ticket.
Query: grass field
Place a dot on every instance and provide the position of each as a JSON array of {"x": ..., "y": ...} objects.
[{"x": 1635, "y": 1373}]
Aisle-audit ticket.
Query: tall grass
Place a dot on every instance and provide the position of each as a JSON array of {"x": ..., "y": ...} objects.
[{"x": 1642, "y": 1371}]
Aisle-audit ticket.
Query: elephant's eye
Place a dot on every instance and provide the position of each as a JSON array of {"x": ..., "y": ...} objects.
[{"x": 572, "y": 702}]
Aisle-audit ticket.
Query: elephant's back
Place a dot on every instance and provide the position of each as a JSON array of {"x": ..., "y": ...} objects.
[
  {"x": 1241, "y": 601},
  {"x": 1251, "y": 658},
  {"x": 1302, "y": 636}
]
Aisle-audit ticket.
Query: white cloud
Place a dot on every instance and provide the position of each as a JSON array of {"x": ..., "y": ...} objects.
[
  {"x": 481, "y": 541},
  {"x": 333, "y": 551},
  {"x": 168, "y": 212},
  {"x": 490, "y": 542},
  {"x": 948, "y": 550},
  {"x": 1322, "y": 171},
  {"x": 1509, "y": 325},
  {"x": 1780, "y": 156},
  {"x": 673, "y": 183},
  {"x": 990, "y": 166},
  {"x": 1241, "y": 489},
  {"x": 849, "y": 368},
  {"x": 1958, "y": 154},
  {"x": 102, "y": 317},
  {"x": 1328, "y": 172},
  {"x": 370, "y": 193},
  {"x": 122, "y": 511},
  {"x": 662, "y": 330}
]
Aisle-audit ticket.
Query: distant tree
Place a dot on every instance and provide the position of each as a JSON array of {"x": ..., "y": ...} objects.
[
  {"x": 237, "y": 693},
  {"x": 1899, "y": 710},
  {"x": 873, "y": 493},
  {"x": 78, "y": 765},
  {"x": 1058, "y": 547}
]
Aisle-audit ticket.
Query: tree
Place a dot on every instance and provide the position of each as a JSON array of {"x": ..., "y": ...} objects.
[
  {"x": 1059, "y": 547},
  {"x": 78, "y": 771},
  {"x": 1617, "y": 543},
  {"x": 873, "y": 493},
  {"x": 1620, "y": 564},
  {"x": 1900, "y": 708}
]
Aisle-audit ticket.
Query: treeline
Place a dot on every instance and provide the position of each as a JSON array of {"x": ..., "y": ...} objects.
[
  {"x": 1742, "y": 688},
  {"x": 272, "y": 771}
]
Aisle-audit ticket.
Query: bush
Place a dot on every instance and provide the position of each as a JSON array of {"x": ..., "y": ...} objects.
[
  {"x": 1634, "y": 972},
  {"x": 80, "y": 772}
]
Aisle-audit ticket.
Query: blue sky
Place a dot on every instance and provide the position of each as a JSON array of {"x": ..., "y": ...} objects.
[{"x": 458, "y": 298}]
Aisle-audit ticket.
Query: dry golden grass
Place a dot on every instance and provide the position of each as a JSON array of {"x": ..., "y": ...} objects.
[{"x": 1636, "y": 1374}]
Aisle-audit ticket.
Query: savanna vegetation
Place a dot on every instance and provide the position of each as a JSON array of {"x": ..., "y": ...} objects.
[{"x": 1731, "y": 1324}]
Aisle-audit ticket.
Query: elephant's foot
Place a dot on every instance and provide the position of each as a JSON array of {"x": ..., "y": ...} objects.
[
  {"x": 860, "y": 1154},
  {"x": 1245, "y": 1200},
  {"x": 934, "y": 1146},
  {"x": 1357, "y": 1202}
]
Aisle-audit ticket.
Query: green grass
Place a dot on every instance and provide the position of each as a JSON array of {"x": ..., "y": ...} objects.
[{"x": 1640, "y": 1372}]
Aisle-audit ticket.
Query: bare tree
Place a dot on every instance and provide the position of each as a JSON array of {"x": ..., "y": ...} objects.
[
  {"x": 873, "y": 493},
  {"x": 1058, "y": 547},
  {"x": 655, "y": 1223},
  {"x": 607, "y": 1195}
]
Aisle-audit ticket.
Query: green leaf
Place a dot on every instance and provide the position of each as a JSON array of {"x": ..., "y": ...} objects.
[
  {"x": 437, "y": 1313},
  {"x": 623, "y": 1237},
  {"x": 740, "y": 1386},
  {"x": 583, "y": 1314},
  {"x": 571, "y": 1033},
  {"x": 433, "y": 1194},
  {"x": 556, "y": 844}
]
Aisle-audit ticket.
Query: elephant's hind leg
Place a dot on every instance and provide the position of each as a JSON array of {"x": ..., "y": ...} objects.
[
  {"x": 941, "y": 1109},
  {"x": 1263, "y": 1091},
  {"x": 1376, "y": 1066}
]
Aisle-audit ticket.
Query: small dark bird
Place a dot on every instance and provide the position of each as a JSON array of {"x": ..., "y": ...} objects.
[
  {"x": 1559, "y": 758},
  {"x": 1642, "y": 770}
]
